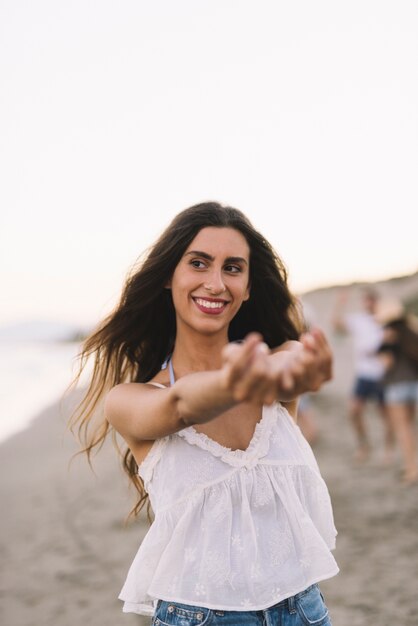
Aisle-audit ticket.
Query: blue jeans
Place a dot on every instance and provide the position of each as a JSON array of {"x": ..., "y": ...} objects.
[{"x": 306, "y": 608}]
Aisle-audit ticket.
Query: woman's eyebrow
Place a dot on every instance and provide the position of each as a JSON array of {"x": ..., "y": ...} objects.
[
  {"x": 209, "y": 257},
  {"x": 236, "y": 259}
]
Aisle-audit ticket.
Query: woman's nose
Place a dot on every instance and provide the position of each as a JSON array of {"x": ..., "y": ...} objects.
[{"x": 214, "y": 283}]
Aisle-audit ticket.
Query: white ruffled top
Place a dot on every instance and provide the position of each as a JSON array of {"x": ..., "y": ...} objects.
[{"x": 233, "y": 529}]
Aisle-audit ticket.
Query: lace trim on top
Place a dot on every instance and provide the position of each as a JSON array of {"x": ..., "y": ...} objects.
[{"x": 257, "y": 448}]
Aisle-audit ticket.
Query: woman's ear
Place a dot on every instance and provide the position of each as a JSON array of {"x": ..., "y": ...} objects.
[{"x": 168, "y": 284}]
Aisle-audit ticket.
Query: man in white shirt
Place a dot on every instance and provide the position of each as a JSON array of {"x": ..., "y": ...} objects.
[{"x": 367, "y": 336}]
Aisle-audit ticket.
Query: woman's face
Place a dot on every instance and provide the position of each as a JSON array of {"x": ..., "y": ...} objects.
[{"x": 211, "y": 280}]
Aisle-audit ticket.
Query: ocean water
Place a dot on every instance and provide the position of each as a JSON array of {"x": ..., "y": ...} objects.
[{"x": 33, "y": 375}]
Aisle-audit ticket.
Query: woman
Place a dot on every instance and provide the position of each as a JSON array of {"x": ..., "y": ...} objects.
[
  {"x": 200, "y": 367},
  {"x": 399, "y": 353}
]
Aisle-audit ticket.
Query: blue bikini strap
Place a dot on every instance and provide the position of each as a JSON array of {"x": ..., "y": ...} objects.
[{"x": 171, "y": 372}]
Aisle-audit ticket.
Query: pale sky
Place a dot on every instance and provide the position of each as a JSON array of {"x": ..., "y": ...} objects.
[{"x": 114, "y": 116}]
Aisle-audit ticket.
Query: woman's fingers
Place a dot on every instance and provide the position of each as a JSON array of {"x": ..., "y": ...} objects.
[
  {"x": 237, "y": 358},
  {"x": 316, "y": 343},
  {"x": 257, "y": 379},
  {"x": 308, "y": 368},
  {"x": 247, "y": 369}
]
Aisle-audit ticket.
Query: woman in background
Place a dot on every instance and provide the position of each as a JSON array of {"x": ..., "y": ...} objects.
[
  {"x": 399, "y": 353},
  {"x": 199, "y": 369}
]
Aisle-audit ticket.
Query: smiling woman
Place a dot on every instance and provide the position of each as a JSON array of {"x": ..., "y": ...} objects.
[
  {"x": 214, "y": 284},
  {"x": 199, "y": 369}
]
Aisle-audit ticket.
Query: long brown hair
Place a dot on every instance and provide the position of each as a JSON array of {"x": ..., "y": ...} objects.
[{"x": 131, "y": 343}]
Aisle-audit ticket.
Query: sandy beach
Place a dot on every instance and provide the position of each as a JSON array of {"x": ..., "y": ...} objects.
[{"x": 65, "y": 548}]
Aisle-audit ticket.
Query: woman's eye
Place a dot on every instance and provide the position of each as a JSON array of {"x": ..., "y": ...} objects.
[
  {"x": 234, "y": 269},
  {"x": 198, "y": 264}
]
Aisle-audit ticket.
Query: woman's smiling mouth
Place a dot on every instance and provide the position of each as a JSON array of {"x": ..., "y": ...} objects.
[{"x": 213, "y": 306}]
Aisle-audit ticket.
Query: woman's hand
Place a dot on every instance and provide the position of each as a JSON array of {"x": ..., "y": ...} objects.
[
  {"x": 247, "y": 371},
  {"x": 308, "y": 367},
  {"x": 255, "y": 374}
]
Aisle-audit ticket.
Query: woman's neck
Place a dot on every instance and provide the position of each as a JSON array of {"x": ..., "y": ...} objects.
[{"x": 192, "y": 354}]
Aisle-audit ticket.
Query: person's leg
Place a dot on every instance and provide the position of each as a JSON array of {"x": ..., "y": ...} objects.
[
  {"x": 402, "y": 416},
  {"x": 411, "y": 472},
  {"x": 356, "y": 412},
  {"x": 388, "y": 432}
]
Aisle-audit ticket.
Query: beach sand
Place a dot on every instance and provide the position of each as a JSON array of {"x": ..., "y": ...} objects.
[{"x": 65, "y": 549}]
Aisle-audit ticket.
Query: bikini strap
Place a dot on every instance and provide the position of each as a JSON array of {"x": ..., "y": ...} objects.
[
  {"x": 168, "y": 365},
  {"x": 171, "y": 372}
]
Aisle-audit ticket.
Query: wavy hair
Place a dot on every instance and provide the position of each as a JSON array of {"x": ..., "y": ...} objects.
[{"x": 132, "y": 342}]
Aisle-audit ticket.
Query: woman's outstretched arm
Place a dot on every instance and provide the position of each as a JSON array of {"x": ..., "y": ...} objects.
[{"x": 250, "y": 373}]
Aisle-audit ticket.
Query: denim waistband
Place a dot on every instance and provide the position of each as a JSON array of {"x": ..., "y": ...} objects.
[{"x": 290, "y": 602}]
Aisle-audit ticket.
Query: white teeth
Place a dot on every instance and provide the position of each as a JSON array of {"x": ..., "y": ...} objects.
[{"x": 209, "y": 305}]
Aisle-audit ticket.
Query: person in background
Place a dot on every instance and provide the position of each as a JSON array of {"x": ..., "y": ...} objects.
[
  {"x": 399, "y": 354},
  {"x": 367, "y": 335},
  {"x": 200, "y": 367}
]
